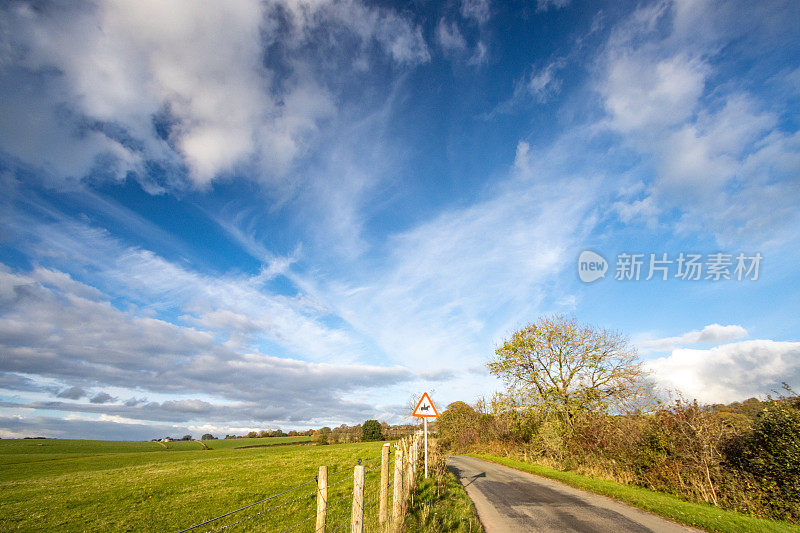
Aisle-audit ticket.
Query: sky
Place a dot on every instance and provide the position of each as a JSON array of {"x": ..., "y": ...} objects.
[{"x": 224, "y": 216}]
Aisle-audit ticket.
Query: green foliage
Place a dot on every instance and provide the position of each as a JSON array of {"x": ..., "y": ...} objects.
[
  {"x": 702, "y": 454},
  {"x": 371, "y": 430},
  {"x": 458, "y": 426},
  {"x": 441, "y": 506},
  {"x": 774, "y": 445},
  {"x": 749, "y": 408},
  {"x": 567, "y": 368},
  {"x": 321, "y": 435},
  {"x": 577, "y": 398},
  {"x": 770, "y": 456}
]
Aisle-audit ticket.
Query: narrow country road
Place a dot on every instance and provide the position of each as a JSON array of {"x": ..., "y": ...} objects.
[{"x": 509, "y": 500}]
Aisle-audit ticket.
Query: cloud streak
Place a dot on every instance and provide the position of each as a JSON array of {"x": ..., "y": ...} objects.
[{"x": 712, "y": 333}]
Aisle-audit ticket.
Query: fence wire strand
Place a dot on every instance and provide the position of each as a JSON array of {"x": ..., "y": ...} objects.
[
  {"x": 341, "y": 481},
  {"x": 341, "y": 524},
  {"x": 265, "y": 511},
  {"x": 299, "y": 524},
  {"x": 330, "y": 505},
  {"x": 247, "y": 506}
]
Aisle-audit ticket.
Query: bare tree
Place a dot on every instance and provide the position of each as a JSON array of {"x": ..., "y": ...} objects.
[{"x": 560, "y": 365}]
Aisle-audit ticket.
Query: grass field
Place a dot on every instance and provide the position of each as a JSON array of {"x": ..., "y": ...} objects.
[
  {"x": 700, "y": 515},
  {"x": 228, "y": 444},
  {"x": 67, "y": 485}
]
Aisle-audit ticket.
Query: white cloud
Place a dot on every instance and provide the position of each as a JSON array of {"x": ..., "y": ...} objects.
[
  {"x": 449, "y": 36},
  {"x": 703, "y": 156},
  {"x": 522, "y": 159},
  {"x": 712, "y": 333},
  {"x": 704, "y": 138},
  {"x": 477, "y": 10},
  {"x": 235, "y": 308},
  {"x": 644, "y": 209},
  {"x": 544, "y": 5},
  {"x": 641, "y": 91},
  {"x": 543, "y": 83},
  {"x": 480, "y": 55},
  {"x": 179, "y": 83},
  {"x": 430, "y": 298},
  {"x": 730, "y": 372},
  {"x": 55, "y": 333}
]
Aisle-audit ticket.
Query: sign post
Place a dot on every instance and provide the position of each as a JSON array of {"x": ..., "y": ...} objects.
[
  {"x": 425, "y": 410},
  {"x": 425, "y": 423}
]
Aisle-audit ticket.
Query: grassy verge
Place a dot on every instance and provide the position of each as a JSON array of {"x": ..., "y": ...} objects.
[
  {"x": 440, "y": 503},
  {"x": 699, "y": 515}
]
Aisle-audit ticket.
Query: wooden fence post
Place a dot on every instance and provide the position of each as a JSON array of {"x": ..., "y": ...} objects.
[
  {"x": 409, "y": 484},
  {"x": 357, "y": 517},
  {"x": 415, "y": 457},
  {"x": 397, "y": 501},
  {"x": 383, "y": 508},
  {"x": 322, "y": 499}
]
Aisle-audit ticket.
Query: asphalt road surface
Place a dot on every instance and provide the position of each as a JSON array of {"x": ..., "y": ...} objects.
[{"x": 508, "y": 500}]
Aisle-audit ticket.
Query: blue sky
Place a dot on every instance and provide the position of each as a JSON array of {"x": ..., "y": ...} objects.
[{"x": 218, "y": 217}]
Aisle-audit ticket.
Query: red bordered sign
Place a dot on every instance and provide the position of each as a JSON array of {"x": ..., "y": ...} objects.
[{"x": 425, "y": 407}]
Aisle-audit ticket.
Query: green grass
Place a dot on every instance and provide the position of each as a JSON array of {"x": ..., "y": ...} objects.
[
  {"x": 64, "y": 446},
  {"x": 227, "y": 444},
  {"x": 440, "y": 504},
  {"x": 140, "y": 486},
  {"x": 703, "y": 516}
]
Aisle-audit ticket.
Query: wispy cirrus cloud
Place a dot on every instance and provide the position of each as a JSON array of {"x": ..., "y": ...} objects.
[
  {"x": 449, "y": 36},
  {"x": 476, "y": 10},
  {"x": 430, "y": 296},
  {"x": 543, "y": 83},
  {"x": 544, "y": 5}
]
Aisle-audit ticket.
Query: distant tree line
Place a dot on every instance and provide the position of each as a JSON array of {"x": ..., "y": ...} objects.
[{"x": 369, "y": 430}]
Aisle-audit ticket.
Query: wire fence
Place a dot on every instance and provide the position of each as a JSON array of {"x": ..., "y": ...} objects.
[{"x": 293, "y": 510}]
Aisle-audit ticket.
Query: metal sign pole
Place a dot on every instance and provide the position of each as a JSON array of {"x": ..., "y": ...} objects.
[{"x": 426, "y": 447}]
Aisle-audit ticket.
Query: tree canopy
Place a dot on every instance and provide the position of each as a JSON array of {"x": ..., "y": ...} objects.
[
  {"x": 560, "y": 365},
  {"x": 372, "y": 430}
]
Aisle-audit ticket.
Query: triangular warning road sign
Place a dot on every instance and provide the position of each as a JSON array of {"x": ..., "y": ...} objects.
[{"x": 425, "y": 407}]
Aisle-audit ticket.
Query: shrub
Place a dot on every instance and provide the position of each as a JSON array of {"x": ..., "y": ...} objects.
[
  {"x": 371, "y": 430},
  {"x": 458, "y": 426},
  {"x": 770, "y": 456},
  {"x": 321, "y": 435}
]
